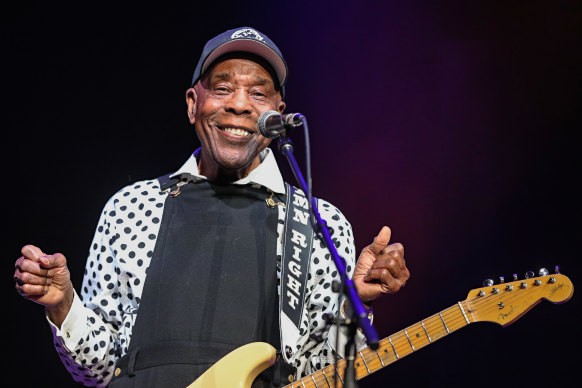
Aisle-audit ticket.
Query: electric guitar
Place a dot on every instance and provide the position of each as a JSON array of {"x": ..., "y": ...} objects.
[{"x": 502, "y": 303}]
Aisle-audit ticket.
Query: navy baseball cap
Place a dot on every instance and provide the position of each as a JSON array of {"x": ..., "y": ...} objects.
[{"x": 248, "y": 40}]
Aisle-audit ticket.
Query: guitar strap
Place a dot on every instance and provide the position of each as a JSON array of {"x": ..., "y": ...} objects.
[{"x": 295, "y": 258}]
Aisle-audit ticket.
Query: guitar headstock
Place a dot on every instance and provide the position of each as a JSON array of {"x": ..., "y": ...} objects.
[{"x": 504, "y": 303}]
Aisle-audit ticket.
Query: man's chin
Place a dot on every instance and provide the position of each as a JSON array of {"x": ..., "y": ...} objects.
[{"x": 236, "y": 165}]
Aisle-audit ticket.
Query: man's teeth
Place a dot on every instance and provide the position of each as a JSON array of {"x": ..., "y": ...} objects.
[{"x": 237, "y": 131}]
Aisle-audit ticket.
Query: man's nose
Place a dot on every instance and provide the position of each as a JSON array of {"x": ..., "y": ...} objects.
[{"x": 239, "y": 103}]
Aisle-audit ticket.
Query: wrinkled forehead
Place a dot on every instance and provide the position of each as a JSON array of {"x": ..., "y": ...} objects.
[{"x": 247, "y": 56}]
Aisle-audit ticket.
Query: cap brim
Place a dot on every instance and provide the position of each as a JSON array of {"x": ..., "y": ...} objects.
[{"x": 254, "y": 47}]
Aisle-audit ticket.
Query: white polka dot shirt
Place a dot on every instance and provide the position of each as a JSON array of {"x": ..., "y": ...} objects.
[{"x": 97, "y": 330}]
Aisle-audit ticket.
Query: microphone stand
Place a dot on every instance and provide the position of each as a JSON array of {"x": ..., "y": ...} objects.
[{"x": 358, "y": 315}]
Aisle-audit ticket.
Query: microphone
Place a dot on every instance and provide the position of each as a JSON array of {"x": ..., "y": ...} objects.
[{"x": 273, "y": 124}]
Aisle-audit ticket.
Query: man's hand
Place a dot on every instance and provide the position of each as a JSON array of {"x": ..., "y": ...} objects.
[
  {"x": 381, "y": 268},
  {"x": 45, "y": 279}
]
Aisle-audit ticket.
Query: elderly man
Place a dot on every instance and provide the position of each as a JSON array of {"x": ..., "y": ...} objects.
[{"x": 185, "y": 268}]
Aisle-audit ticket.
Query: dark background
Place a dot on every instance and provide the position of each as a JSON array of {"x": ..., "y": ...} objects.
[{"x": 453, "y": 123}]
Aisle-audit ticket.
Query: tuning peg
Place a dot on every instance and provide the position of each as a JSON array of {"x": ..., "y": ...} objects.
[
  {"x": 543, "y": 272},
  {"x": 488, "y": 282},
  {"x": 501, "y": 280},
  {"x": 529, "y": 274},
  {"x": 514, "y": 277},
  {"x": 557, "y": 269}
]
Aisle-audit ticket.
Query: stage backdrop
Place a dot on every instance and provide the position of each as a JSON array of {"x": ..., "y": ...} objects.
[{"x": 455, "y": 124}]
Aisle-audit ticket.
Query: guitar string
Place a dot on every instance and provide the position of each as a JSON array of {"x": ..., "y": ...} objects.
[
  {"x": 474, "y": 304},
  {"x": 453, "y": 317},
  {"x": 453, "y": 313},
  {"x": 402, "y": 345},
  {"x": 371, "y": 365},
  {"x": 320, "y": 379},
  {"x": 446, "y": 314},
  {"x": 400, "y": 341}
]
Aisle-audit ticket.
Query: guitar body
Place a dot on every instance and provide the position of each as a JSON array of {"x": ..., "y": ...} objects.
[{"x": 239, "y": 368}]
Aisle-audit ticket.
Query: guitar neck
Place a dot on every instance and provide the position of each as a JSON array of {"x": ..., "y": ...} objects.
[
  {"x": 392, "y": 348},
  {"x": 502, "y": 304}
]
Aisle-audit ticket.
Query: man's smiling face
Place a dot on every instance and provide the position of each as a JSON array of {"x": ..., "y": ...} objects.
[{"x": 224, "y": 108}]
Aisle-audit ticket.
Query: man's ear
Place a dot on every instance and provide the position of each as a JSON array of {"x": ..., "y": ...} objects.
[
  {"x": 281, "y": 107},
  {"x": 191, "y": 97}
]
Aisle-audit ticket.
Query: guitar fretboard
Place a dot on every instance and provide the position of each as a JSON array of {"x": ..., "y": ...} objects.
[{"x": 391, "y": 349}]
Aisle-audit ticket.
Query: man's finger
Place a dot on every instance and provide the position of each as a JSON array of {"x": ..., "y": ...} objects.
[
  {"x": 31, "y": 252},
  {"x": 26, "y": 265},
  {"x": 392, "y": 267},
  {"x": 17, "y": 280},
  {"x": 53, "y": 261},
  {"x": 390, "y": 259},
  {"x": 19, "y": 262},
  {"x": 378, "y": 274},
  {"x": 381, "y": 272},
  {"x": 31, "y": 290},
  {"x": 384, "y": 278},
  {"x": 398, "y": 247},
  {"x": 28, "y": 278},
  {"x": 381, "y": 240}
]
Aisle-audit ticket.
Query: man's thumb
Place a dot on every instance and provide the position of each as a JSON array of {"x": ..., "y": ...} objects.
[
  {"x": 53, "y": 261},
  {"x": 381, "y": 240}
]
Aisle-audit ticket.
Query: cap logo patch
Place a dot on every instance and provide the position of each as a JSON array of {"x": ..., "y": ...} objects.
[{"x": 246, "y": 33}]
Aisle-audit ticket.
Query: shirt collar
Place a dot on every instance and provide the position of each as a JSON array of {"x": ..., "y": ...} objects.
[{"x": 266, "y": 174}]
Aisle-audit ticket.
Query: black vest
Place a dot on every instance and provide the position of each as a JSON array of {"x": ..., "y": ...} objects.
[{"x": 211, "y": 286}]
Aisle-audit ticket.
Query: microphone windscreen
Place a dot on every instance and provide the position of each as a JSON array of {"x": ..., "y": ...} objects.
[{"x": 266, "y": 127}]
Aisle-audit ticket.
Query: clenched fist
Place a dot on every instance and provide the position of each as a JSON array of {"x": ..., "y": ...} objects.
[{"x": 45, "y": 279}]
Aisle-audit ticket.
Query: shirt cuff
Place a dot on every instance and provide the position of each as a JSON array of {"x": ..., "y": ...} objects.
[
  {"x": 71, "y": 330},
  {"x": 344, "y": 314}
]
